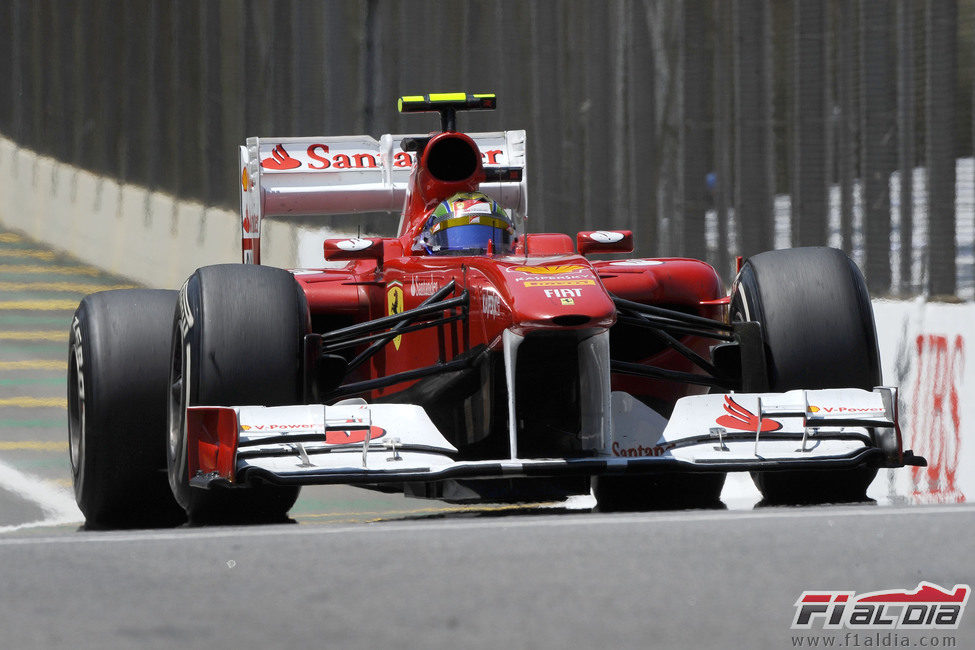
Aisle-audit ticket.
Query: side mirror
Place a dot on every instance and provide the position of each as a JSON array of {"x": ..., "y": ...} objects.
[
  {"x": 354, "y": 248},
  {"x": 604, "y": 241}
]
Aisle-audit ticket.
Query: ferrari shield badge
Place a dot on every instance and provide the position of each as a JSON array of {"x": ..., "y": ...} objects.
[{"x": 394, "y": 304}]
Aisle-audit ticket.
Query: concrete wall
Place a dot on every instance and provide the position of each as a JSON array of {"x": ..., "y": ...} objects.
[
  {"x": 146, "y": 236},
  {"x": 924, "y": 348}
]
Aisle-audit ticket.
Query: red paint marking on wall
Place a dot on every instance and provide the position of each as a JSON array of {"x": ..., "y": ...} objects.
[{"x": 936, "y": 422}]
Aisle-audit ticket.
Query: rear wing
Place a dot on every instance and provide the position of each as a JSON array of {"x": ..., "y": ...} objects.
[{"x": 283, "y": 177}]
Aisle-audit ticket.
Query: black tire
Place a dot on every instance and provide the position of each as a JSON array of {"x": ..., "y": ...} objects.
[
  {"x": 819, "y": 332},
  {"x": 670, "y": 491},
  {"x": 118, "y": 377},
  {"x": 238, "y": 339}
]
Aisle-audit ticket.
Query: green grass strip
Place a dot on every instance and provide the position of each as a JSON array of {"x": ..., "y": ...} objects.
[
  {"x": 24, "y": 319},
  {"x": 34, "y": 424},
  {"x": 36, "y": 348},
  {"x": 32, "y": 380}
]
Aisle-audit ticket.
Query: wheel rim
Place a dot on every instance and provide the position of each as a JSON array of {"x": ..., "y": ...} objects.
[
  {"x": 738, "y": 309},
  {"x": 177, "y": 400},
  {"x": 76, "y": 409}
]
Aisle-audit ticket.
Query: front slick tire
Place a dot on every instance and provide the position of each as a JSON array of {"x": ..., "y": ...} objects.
[
  {"x": 118, "y": 372},
  {"x": 237, "y": 340},
  {"x": 819, "y": 332}
]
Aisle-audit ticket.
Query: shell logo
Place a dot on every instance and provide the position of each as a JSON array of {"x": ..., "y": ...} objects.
[
  {"x": 549, "y": 270},
  {"x": 814, "y": 409},
  {"x": 341, "y": 437}
]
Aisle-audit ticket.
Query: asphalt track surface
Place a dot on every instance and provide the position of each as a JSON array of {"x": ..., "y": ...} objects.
[{"x": 357, "y": 569}]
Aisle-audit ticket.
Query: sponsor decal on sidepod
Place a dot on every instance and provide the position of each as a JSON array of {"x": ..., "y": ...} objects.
[{"x": 423, "y": 287}]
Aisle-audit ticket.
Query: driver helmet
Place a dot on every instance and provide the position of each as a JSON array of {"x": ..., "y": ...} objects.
[{"x": 464, "y": 224}]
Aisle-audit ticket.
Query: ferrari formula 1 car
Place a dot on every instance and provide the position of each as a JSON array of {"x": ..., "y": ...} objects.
[{"x": 465, "y": 359}]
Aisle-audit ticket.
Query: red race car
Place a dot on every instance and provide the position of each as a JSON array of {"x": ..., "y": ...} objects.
[{"x": 466, "y": 359}]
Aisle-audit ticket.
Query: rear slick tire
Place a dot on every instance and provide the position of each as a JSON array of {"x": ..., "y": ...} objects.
[
  {"x": 238, "y": 338},
  {"x": 818, "y": 326},
  {"x": 118, "y": 371}
]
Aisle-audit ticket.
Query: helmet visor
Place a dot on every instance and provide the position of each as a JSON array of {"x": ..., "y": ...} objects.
[{"x": 470, "y": 239}]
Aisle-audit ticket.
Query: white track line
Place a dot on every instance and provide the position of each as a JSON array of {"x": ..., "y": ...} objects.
[
  {"x": 57, "y": 503},
  {"x": 506, "y": 523}
]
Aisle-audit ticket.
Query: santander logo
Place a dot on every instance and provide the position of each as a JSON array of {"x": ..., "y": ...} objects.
[
  {"x": 738, "y": 417},
  {"x": 280, "y": 159}
]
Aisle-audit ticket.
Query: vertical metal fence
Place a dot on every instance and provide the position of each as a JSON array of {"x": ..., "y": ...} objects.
[{"x": 711, "y": 128}]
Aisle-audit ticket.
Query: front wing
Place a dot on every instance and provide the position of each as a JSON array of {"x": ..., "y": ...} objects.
[{"x": 354, "y": 442}]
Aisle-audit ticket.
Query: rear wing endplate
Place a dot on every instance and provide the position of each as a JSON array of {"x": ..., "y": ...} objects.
[{"x": 283, "y": 177}]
